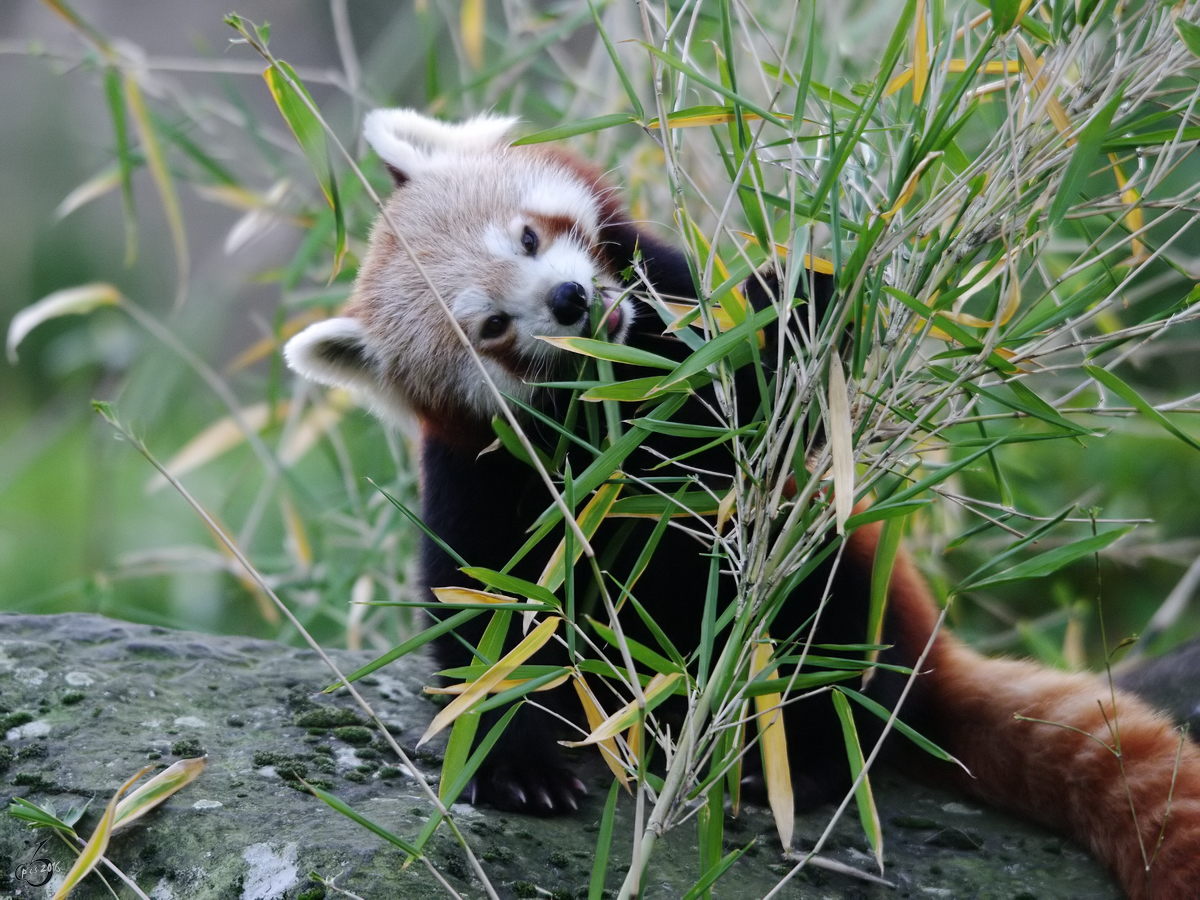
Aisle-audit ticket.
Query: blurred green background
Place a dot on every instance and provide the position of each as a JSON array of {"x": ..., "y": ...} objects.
[{"x": 79, "y": 529}]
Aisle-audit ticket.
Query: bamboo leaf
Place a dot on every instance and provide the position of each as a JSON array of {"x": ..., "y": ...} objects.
[
  {"x": 413, "y": 643},
  {"x": 161, "y": 174},
  {"x": 1087, "y": 148},
  {"x": 659, "y": 689},
  {"x": 571, "y": 129},
  {"x": 290, "y": 95},
  {"x": 868, "y": 813},
  {"x": 1189, "y": 33},
  {"x": 618, "y": 353},
  {"x": 533, "y": 642},
  {"x": 841, "y": 441},
  {"x": 609, "y": 751},
  {"x": 777, "y": 771},
  {"x": 473, "y": 25},
  {"x": 344, "y": 808},
  {"x": 116, "y": 108},
  {"x": 589, "y": 520},
  {"x": 167, "y": 782},
  {"x": 93, "y": 851},
  {"x": 74, "y": 301},
  {"x": 1125, "y": 392},
  {"x": 1051, "y": 561}
]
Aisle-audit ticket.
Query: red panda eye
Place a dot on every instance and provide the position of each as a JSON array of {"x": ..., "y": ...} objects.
[
  {"x": 529, "y": 241},
  {"x": 494, "y": 326}
]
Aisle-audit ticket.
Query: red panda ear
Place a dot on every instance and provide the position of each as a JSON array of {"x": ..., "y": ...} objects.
[
  {"x": 335, "y": 353},
  {"x": 409, "y": 143}
]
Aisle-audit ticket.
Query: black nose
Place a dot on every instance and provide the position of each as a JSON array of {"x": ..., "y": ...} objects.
[{"x": 568, "y": 302}]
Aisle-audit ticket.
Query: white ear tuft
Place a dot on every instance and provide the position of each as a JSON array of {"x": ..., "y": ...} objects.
[
  {"x": 335, "y": 353},
  {"x": 409, "y": 141}
]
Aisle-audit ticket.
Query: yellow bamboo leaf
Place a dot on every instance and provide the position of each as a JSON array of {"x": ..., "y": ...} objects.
[
  {"x": 816, "y": 263},
  {"x": 609, "y": 750},
  {"x": 499, "y": 671},
  {"x": 736, "y": 306},
  {"x": 1134, "y": 220},
  {"x": 67, "y": 302},
  {"x": 1054, "y": 109},
  {"x": 473, "y": 596},
  {"x": 93, "y": 850},
  {"x": 686, "y": 314},
  {"x": 920, "y": 53},
  {"x": 171, "y": 779},
  {"x": 725, "y": 509},
  {"x": 910, "y": 183},
  {"x": 217, "y": 439},
  {"x": 589, "y": 520},
  {"x": 656, "y": 691},
  {"x": 633, "y": 739},
  {"x": 704, "y": 119},
  {"x": 473, "y": 22},
  {"x": 841, "y": 442},
  {"x": 957, "y": 67},
  {"x": 773, "y": 740},
  {"x": 498, "y": 687},
  {"x": 898, "y": 82}
]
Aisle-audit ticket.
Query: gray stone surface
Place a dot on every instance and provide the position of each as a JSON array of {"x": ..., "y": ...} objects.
[{"x": 86, "y": 701}]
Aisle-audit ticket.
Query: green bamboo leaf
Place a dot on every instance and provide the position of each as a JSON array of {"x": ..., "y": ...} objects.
[
  {"x": 1123, "y": 390},
  {"x": 635, "y": 390},
  {"x": 618, "y": 353},
  {"x": 1004, "y": 14},
  {"x": 647, "y": 506},
  {"x": 1090, "y": 140},
  {"x": 680, "y": 66},
  {"x": 116, "y": 108},
  {"x": 1189, "y": 32},
  {"x": 883, "y": 512},
  {"x": 881, "y": 574},
  {"x": 626, "y": 81},
  {"x": 510, "y": 584},
  {"x": 571, "y": 129},
  {"x": 908, "y": 731},
  {"x": 639, "y": 651},
  {"x": 1151, "y": 139},
  {"x": 342, "y": 807},
  {"x": 413, "y": 643},
  {"x": 868, "y": 814},
  {"x": 604, "y": 838},
  {"x": 1052, "y": 560},
  {"x": 710, "y": 877},
  {"x": 290, "y": 96}
]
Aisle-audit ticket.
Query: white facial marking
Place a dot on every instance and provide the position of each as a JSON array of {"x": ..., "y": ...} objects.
[{"x": 555, "y": 197}]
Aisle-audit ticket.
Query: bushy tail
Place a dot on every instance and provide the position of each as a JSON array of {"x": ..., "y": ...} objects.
[{"x": 1098, "y": 765}]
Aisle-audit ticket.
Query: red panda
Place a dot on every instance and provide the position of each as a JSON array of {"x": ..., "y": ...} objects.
[{"x": 521, "y": 242}]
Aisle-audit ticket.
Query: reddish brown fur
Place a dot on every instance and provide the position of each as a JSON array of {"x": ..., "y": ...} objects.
[{"x": 1068, "y": 780}]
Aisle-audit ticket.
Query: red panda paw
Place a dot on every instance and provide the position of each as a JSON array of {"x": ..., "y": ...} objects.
[{"x": 543, "y": 790}]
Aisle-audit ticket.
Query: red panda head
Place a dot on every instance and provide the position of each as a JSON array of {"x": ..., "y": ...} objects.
[{"x": 508, "y": 237}]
